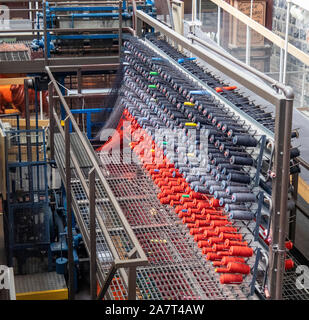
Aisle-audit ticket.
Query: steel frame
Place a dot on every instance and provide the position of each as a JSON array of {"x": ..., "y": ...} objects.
[
  {"x": 136, "y": 256},
  {"x": 38, "y": 65},
  {"x": 282, "y": 139}
]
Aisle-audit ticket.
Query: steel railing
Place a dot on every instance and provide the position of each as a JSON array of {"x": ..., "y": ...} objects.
[{"x": 104, "y": 212}]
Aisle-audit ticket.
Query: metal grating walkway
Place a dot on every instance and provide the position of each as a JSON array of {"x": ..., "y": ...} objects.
[{"x": 177, "y": 269}]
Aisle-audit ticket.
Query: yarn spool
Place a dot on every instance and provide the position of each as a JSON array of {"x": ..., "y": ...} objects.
[
  {"x": 199, "y": 237},
  {"x": 206, "y": 250},
  {"x": 243, "y": 197},
  {"x": 209, "y": 233},
  {"x": 232, "y": 236},
  {"x": 229, "y": 243},
  {"x": 241, "y": 215},
  {"x": 235, "y": 267},
  {"x": 218, "y": 247},
  {"x": 244, "y": 140},
  {"x": 203, "y": 243},
  {"x": 289, "y": 264},
  {"x": 231, "y": 278},
  {"x": 213, "y": 240},
  {"x": 289, "y": 245},
  {"x": 218, "y": 230},
  {"x": 241, "y": 251},
  {"x": 221, "y": 270},
  {"x": 226, "y": 260},
  {"x": 212, "y": 256},
  {"x": 216, "y": 223}
]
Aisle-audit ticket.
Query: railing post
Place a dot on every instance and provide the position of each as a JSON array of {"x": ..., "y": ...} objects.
[
  {"x": 93, "y": 250},
  {"x": 28, "y": 139},
  {"x": 139, "y": 27},
  {"x": 120, "y": 29},
  {"x": 46, "y": 51},
  {"x": 248, "y": 38},
  {"x": 132, "y": 284},
  {"x": 277, "y": 196},
  {"x": 132, "y": 278},
  {"x": 69, "y": 212},
  {"x": 51, "y": 120},
  {"x": 286, "y": 41},
  {"x": 293, "y": 215},
  {"x": 284, "y": 193},
  {"x": 219, "y": 26}
]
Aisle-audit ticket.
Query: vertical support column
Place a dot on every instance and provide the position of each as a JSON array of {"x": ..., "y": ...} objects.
[
  {"x": 276, "y": 195},
  {"x": 79, "y": 80},
  {"x": 28, "y": 139},
  {"x": 46, "y": 54},
  {"x": 132, "y": 277},
  {"x": 120, "y": 29},
  {"x": 171, "y": 14},
  {"x": 219, "y": 26},
  {"x": 93, "y": 250},
  {"x": 51, "y": 120},
  {"x": 69, "y": 212},
  {"x": 286, "y": 42},
  {"x": 284, "y": 196},
  {"x": 134, "y": 16},
  {"x": 281, "y": 65},
  {"x": 132, "y": 284},
  {"x": 31, "y": 17},
  {"x": 79, "y": 91},
  {"x": 294, "y": 211},
  {"x": 139, "y": 27},
  {"x": 248, "y": 39}
]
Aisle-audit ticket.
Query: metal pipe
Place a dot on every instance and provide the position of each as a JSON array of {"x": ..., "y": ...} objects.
[
  {"x": 286, "y": 90},
  {"x": 281, "y": 66},
  {"x": 284, "y": 198},
  {"x": 132, "y": 284},
  {"x": 286, "y": 41},
  {"x": 93, "y": 249},
  {"x": 276, "y": 195},
  {"x": 28, "y": 139},
  {"x": 45, "y": 33},
  {"x": 120, "y": 29},
  {"x": 248, "y": 38},
  {"x": 69, "y": 212},
  {"x": 219, "y": 26},
  {"x": 295, "y": 179}
]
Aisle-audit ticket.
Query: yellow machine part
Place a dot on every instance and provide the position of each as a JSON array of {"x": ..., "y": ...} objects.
[{"x": 60, "y": 294}]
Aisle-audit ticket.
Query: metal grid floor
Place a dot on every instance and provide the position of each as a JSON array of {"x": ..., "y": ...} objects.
[
  {"x": 39, "y": 282},
  {"x": 177, "y": 269}
]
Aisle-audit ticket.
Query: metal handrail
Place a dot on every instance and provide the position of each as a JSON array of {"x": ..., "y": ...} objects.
[
  {"x": 138, "y": 257},
  {"x": 295, "y": 52}
]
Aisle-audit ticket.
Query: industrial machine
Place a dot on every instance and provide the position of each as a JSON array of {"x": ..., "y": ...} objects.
[{"x": 160, "y": 178}]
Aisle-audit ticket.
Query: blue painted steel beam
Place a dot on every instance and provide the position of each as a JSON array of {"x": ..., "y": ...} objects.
[
  {"x": 93, "y": 110},
  {"x": 26, "y": 164}
]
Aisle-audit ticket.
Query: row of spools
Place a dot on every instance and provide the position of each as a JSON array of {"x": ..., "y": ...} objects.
[{"x": 202, "y": 179}]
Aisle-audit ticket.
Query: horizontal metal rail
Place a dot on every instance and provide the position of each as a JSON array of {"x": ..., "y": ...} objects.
[
  {"x": 278, "y": 41},
  {"x": 140, "y": 258},
  {"x": 240, "y": 76}
]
